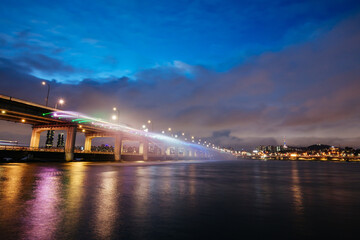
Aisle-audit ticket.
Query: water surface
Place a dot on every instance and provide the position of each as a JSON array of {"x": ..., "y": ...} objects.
[{"x": 243, "y": 199}]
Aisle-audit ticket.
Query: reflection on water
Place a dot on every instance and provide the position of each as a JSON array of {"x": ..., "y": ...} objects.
[
  {"x": 296, "y": 189},
  {"x": 142, "y": 191},
  {"x": 106, "y": 205},
  {"x": 179, "y": 200},
  {"x": 11, "y": 194},
  {"x": 73, "y": 195},
  {"x": 42, "y": 212},
  {"x": 13, "y": 186}
]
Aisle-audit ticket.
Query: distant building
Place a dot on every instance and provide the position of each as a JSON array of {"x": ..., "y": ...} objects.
[
  {"x": 60, "y": 140},
  {"x": 49, "y": 138}
]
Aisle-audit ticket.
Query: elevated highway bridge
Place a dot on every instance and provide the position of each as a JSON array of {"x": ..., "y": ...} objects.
[{"x": 44, "y": 118}]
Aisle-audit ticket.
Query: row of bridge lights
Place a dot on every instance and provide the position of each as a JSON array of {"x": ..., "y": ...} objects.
[
  {"x": 145, "y": 128},
  {"x": 59, "y": 102},
  {"x": 193, "y": 140},
  {"x": 116, "y": 117},
  {"x": 23, "y": 120}
]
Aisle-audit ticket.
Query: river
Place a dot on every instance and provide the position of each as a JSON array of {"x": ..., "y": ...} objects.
[{"x": 242, "y": 199}]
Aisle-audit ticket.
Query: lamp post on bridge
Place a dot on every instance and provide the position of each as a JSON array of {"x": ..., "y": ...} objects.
[
  {"x": 116, "y": 117},
  {"x": 151, "y": 123},
  {"x": 60, "y": 102},
  {"x": 48, "y": 92}
]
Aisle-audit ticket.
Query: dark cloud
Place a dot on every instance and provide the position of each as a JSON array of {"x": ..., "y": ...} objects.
[
  {"x": 224, "y": 138},
  {"x": 44, "y": 64},
  {"x": 29, "y": 50}
]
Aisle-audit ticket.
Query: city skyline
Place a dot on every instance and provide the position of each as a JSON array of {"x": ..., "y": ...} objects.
[{"x": 241, "y": 74}]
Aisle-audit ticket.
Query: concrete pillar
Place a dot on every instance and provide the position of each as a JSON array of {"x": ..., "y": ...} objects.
[
  {"x": 190, "y": 153},
  {"x": 88, "y": 140},
  {"x": 163, "y": 151},
  {"x": 176, "y": 153},
  {"x": 117, "y": 149},
  {"x": 168, "y": 151},
  {"x": 35, "y": 138},
  {"x": 70, "y": 143},
  {"x": 141, "y": 148},
  {"x": 122, "y": 147},
  {"x": 145, "y": 150}
]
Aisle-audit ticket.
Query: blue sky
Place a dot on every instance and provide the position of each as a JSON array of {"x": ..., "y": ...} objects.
[
  {"x": 100, "y": 39},
  {"x": 244, "y": 72}
]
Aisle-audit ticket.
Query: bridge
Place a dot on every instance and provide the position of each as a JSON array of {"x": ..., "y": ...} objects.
[{"x": 44, "y": 118}]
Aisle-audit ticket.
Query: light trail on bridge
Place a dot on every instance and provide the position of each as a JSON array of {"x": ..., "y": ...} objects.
[
  {"x": 85, "y": 120},
  {"x": 44, "y": 118}
]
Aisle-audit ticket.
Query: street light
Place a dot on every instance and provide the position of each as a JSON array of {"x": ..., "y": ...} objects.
[
  {"x": 61, "y": 102},
  {"x": 114, "y": 117},
  {"x": 48, "y": 92},
  {"x": 150, "y": 122}
]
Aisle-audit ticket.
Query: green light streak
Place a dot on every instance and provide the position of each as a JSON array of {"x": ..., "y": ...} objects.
[
  {"x": 84, "y": 121},
  {"x": 78, "y": 119}
]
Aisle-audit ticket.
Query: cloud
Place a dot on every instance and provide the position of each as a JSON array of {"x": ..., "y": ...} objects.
[
  {"x": 305, "y": 90},
  {"x": 45, "y": 64}
]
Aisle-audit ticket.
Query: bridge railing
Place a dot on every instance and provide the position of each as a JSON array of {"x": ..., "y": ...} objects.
[{"x": 38, "y": 149}]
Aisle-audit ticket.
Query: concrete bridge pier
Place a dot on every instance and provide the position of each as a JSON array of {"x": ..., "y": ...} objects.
[
  {"x": 177, "y": 153},
  {"x": 117, "y": 148},
  {"x": 88, "y": 140},
  {"x": 190, "y": 153},
  {"x": 35, "y": 138},
  {"x": 144, "y": 149},
  {"x": 163, "y": 151},
  {"x": 70, "y": 138},
  {"x": 70, "y": 143}
]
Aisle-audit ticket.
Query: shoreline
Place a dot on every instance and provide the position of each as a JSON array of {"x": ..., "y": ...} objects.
[{"x": 318, "y": 159}]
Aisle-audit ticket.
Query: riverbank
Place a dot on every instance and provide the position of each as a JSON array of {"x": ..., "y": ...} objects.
[{"x": 320, "y": 158}]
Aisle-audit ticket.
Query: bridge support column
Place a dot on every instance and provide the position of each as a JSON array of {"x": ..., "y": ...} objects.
[
  {"x": 163, "y": 151},
  {"x": 176, "y": 153},
  {"x": 35, "y": 138},
  {"x": 70, "y": 143},
  {"x": 168, "y": 151},
  {"x": 144, "y": 149},
  {"x": 88, "y": 140},
  {"x": 190, "y": 153},
  {"x": 118, "y": 146}
]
